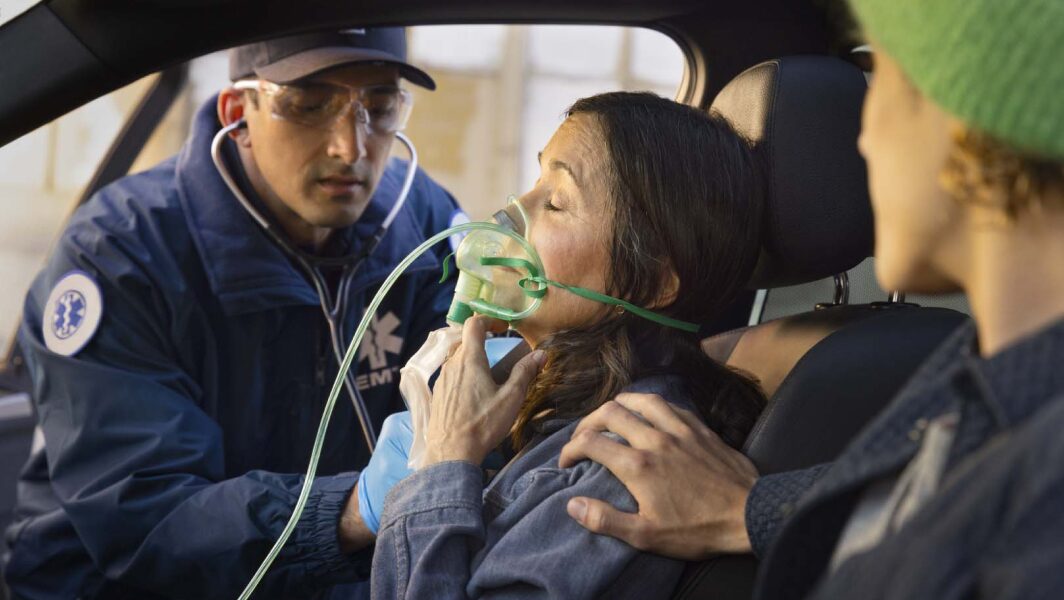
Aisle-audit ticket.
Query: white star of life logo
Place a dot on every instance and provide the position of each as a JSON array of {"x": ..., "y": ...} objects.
[{"x": 380, "y": 340}]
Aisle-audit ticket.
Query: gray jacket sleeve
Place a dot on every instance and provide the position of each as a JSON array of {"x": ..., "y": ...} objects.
[
  {"x": 773, "y": 499},
  {"x": 440, "y": 539}
]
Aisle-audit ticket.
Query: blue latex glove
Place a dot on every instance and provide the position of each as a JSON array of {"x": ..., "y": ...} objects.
[{"x": 386, "y": 468}]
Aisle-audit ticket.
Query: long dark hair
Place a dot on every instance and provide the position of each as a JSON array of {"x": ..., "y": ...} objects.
[{"x": 684, "y": 193}]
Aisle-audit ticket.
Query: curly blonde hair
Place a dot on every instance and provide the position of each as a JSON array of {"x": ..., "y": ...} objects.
[{"x": 985, "y": 171}]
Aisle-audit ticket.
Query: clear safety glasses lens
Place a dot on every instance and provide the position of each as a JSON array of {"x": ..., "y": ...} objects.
[{"x": 383, "y": 109}]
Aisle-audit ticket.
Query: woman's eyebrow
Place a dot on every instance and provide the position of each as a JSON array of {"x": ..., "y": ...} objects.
[{"x": 556, "y": 164}]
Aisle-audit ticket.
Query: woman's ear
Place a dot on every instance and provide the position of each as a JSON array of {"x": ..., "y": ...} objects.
[
  {"x": 670, "y": 287},
  {"x": 231, "y": 105}
]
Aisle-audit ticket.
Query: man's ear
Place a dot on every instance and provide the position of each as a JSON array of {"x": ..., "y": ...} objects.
[{"x": 231, "y": 106}]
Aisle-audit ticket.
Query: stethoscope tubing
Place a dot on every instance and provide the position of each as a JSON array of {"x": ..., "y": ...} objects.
[{"x": 333, "y": 309}]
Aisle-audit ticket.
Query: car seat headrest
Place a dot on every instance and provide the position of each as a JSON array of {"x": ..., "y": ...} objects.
[{"x": 804, "y": 114}]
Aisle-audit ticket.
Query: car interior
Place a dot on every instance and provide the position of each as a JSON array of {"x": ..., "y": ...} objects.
[{"x": 781, "y": 71}]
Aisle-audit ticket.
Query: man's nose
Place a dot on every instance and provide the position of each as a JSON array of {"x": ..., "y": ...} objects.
[{"x": 347, "y": 138}]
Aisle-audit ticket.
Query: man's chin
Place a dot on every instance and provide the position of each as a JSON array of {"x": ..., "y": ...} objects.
[
  {"x": 337, "y": 212},
  {"x": 336, "y": 219}
]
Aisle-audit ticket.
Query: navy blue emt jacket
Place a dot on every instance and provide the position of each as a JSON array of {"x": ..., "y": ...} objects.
[{"x": 174, "y": 441}]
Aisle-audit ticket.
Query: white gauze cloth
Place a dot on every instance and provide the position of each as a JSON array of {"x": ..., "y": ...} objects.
[{"x": 414, "y": 384}]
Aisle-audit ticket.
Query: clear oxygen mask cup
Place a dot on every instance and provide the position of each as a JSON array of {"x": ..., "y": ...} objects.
[{"x": 496, "y": 268}]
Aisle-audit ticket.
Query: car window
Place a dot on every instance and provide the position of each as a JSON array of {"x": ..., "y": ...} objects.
[{"x": 502, "y": 91}]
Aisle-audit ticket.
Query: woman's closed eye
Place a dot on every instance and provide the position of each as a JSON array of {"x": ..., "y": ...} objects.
[{"x": 549, "y": 205}]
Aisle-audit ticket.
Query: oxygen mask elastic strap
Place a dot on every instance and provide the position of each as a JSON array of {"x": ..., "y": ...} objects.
[{"x": 535, "y": 286}]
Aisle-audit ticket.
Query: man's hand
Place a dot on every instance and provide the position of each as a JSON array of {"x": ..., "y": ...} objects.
[
  {"x": 360, "y": 520},
  {"x": 691, "y": 487},
  {"x": 352, "y": 532},
  {"x": 387, "y": 467}
]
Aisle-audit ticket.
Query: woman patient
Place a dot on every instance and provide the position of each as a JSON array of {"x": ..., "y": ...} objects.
[{"x": 639, "y": 198}]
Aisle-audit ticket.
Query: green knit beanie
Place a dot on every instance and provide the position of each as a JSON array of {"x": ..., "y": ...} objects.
[{"x": 997, "y": 65}]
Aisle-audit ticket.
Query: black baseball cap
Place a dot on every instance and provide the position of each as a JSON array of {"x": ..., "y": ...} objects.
[{"x": 289, "y": 59}]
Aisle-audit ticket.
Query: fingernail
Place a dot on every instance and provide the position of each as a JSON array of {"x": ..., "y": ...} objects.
[
  {"x": 577, "y": 509},
  {"x": 540, "y": 357}
]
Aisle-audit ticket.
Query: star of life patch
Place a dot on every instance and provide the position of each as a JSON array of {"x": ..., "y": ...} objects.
[
  {"x": 458, "y": 217},
  {"x": 72, "y": 313}
]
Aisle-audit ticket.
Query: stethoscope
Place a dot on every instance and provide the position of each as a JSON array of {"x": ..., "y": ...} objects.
[{"x": 334, "y": 309}]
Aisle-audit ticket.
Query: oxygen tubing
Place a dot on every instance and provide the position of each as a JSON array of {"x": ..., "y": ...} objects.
[
  {"x": 345, "y": 366},
  {"x": 534, "y": 286}
]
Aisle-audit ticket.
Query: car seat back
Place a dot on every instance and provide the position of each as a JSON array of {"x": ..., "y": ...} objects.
[
  {"x": 864, "y": 357},
  {"x": 827, "y": 371}
]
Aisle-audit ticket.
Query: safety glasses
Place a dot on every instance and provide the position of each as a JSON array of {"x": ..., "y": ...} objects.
[{"x": 383, "y": 109}]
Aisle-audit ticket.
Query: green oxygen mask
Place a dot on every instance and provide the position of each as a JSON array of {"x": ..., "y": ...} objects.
[
  {"x": 501, "y": 275},
  {"x": 492, "y": 262}
]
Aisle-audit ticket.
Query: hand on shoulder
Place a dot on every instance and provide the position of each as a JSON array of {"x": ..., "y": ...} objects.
[{"x": 691, "y": 487}]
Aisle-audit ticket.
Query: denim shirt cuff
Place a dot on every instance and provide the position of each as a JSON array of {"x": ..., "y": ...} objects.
[
  {"x": 315, "y": 542},
  {"x": 451, "y": 484}
]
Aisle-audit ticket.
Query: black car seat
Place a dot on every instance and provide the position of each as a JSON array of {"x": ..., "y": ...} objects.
[{"x": 827, "y": 371}]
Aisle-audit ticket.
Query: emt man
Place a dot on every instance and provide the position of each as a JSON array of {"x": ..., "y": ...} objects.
[{"x": 180, "y": 355}]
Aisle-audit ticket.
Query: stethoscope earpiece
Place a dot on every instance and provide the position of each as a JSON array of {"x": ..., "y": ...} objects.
[{"x": 237, "y": 128}]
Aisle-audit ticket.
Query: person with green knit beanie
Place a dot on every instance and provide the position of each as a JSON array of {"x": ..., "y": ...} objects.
[
  {"x": 994, "y": 64},
  {"x": 957, "y": 489}
]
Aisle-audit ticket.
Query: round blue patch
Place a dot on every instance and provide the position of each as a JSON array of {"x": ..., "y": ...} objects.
[{"x": 72, "y": 313}]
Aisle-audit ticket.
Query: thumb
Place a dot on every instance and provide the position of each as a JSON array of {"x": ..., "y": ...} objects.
[
  {"x": 523, "y": 373},
  {"x": 600, "y": 517}
]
